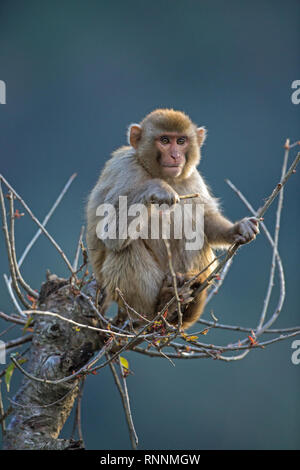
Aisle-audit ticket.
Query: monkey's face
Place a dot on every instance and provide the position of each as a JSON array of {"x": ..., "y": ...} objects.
[
  {"x": 172, "y": 148},
  {"x": 167, "y": 144}
]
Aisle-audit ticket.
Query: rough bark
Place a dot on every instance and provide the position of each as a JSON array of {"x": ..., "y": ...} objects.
[{"x": 39, "y": 409}]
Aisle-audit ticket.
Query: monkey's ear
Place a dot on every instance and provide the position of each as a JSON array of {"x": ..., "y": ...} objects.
[
  {"x": 134, "y": 135},
  {"x": 201, "y": 135}
]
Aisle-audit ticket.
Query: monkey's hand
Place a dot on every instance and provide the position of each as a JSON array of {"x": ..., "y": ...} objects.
[
  {"x": 185, "y": 293},
  {"x": 157, "y": 193},
  {"x": 244, "y": 231}
]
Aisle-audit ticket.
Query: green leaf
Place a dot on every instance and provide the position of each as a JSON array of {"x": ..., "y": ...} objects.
[
  {"x": 27, "y": 324},
  {"x": 124, "y": 363},
  {"x": 9, "y": 372}
]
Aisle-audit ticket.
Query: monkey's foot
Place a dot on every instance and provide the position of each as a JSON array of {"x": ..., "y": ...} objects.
[{"x": 185, "y": 294}]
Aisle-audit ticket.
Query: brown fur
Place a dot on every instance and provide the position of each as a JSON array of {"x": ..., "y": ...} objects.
[{"x": 139, "y": 267}]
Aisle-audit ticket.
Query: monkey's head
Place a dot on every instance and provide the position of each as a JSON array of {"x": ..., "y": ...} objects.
[{"x": 167, "y": 143}]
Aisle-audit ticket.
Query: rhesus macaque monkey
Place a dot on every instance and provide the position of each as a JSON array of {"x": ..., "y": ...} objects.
[{"x": 158, "y": 167}]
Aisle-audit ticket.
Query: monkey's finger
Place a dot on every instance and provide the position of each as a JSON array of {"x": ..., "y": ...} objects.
[
  {"x": 180, "y": 280},
  {"x": 240, "y": 239},
  {"x": 186, "y": 295},
  {"x": 167, "y": 291},
  {"x": 247, "y": 229},
  {"x": 255, "y": 228},
  {"x": 254, "y": 220},
  {"x": 250, "y": 225}
]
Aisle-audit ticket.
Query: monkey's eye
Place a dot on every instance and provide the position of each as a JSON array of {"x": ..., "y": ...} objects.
[
  {"x": 164, "y": 139},
  {"x": 181, "y": 140}
]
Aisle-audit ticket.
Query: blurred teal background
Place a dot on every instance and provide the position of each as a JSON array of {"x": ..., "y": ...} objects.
[{"x": 77, "y": 74}]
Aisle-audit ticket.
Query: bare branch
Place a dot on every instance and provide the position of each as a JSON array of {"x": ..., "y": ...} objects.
[
  {"x": 2, "y": 414},
  {"x": 77, "y": 420},
  {"x": 125, "y": 401},
  {"x": 167, "y": 244},
  {"x": 11, "y": 293},
  {"x": 19, "y": 277},
  {"x": 12, "y": 318},
  {"x": 79, "y": 325},
  {"x": 246, "y": 330},
  {"x": 189, "y": 196},
  {"x": 232, "y": 250},
  {"x": 278, "y": 259},
  {"x": 276, "y": 238},
  {"x": 130, "y": 308},
  {"x": 261, "y": 212},
  {"x": 10, "y": 251},
  {"x": 18, "y": 341},
  {"x": 58, "y": 248},
  {"x": 217, "y": 286},
  {"x": 75, "y": 263},
  {"x": 46, "y": 219}
]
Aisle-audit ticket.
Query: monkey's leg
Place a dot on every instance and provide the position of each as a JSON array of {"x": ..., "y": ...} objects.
[
  {"x": 194, "y": 310},
  {"x": 191, "y": 307}
]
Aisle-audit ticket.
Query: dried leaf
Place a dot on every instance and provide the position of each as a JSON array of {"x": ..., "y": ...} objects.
[
  {"x": 191, "y": 338},
  {"x": 204, "y": 332}
]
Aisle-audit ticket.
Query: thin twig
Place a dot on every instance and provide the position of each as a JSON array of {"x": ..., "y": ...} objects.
[
  {"x": 260, "y": 213},
  {"x": 136, "y": 339},
  {"x": 125, "y": 401},
  {"x": 75, "y": 263},
  {"x": 12, "y": 295},
  {"x": 18, "y": 341},
  {"x": 174, "y": 279},
  {"x": 80, "y": 325},
  {"x": 9, "y": 251},
  {"x": 244, "y": 329},
  {"x": 12, "y": 319},
  {"x": 218, "y": 285},
  {"x": 276, "y": 238},
  {"x": 130, "y": 308},
  {"x": 53, "y": 403},
  {"x": 6, "y": 413},
  {"x": 82, "y": 371},
  {"x": 46, "y": 219},
  {"x": 278, "y": 259},
  {"x": 77, "y": 419},
  {"x": 19, "y": 276},
  {"x": 2, "y": 414},
  {"x": 133, "y": 433},
  {"x": 9, "y": 328},
  {"x": 58, "y": 248},
  {"x": 188, "y": 196}
]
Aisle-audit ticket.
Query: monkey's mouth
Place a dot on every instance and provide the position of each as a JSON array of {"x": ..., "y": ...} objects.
[
  {"x": 166, "y": 165},
  {"x": 171, "y": 170}
]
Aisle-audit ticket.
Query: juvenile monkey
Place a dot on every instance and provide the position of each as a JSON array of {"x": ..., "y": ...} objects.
[{"x": 158, "y": 166}]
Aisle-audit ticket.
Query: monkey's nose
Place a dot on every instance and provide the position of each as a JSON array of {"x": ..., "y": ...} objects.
[{"x": 174, "y": 154}]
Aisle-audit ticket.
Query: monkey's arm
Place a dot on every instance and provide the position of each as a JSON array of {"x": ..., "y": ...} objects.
[
  {"x": 220, "y": 232},
  {"x": 154, "y": 191},
  {"x": 122, "y": 176}
]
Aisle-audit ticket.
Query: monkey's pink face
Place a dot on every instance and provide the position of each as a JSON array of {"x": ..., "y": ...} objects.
[{"x": 172, "y": 148}]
